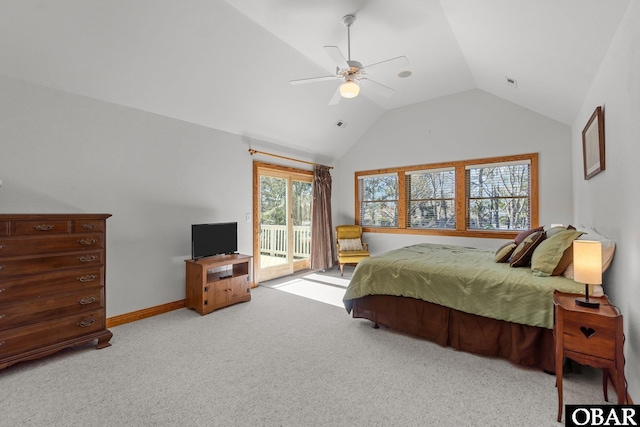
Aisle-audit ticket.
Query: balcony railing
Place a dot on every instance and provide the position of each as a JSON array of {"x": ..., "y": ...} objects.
[{"x": 274, "y": 241}]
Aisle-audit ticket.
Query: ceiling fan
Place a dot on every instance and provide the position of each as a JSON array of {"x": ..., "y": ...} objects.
[{"x": 352, "y": 73}]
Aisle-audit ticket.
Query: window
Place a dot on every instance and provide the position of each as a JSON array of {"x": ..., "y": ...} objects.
[
  {"x": 431, "y": 199},
  {"x": 498, "y": 197},
  {"x": 495, "y": 197},
  {"x": 379, "y": 201}
]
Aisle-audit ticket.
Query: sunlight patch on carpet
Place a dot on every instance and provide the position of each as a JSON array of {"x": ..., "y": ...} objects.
[{"x": 328, "y": 290}]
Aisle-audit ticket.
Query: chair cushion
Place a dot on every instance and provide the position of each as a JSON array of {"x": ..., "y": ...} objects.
[
  {"x": 350, "y": 244},
  {"x": 347, "y": 254}
]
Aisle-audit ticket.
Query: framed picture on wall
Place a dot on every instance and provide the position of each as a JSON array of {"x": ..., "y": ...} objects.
[{"x": 593, "y": 144}]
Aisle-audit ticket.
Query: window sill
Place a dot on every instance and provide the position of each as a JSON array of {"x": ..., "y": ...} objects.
[{"x": 452, "y": 233}]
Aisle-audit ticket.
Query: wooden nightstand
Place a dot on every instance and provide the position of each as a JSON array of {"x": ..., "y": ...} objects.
[{"x": 590, "y": 336}]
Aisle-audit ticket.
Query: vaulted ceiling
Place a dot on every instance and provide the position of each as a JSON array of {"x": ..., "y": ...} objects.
[{"x": 227, "y": 64}]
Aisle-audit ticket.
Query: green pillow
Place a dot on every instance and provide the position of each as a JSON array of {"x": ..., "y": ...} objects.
[
  {"x": 554, "y": 254},
  {"x": 554, "y": 230}
]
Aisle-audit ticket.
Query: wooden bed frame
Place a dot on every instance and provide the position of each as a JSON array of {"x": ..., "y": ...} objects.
[{"x": 523, "y": 345}]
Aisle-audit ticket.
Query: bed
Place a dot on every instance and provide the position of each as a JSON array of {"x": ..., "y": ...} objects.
[{"x": 461, "y": 297}]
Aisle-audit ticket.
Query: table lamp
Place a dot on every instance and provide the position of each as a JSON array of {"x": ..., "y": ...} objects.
[{"x": 587, "y": 264}]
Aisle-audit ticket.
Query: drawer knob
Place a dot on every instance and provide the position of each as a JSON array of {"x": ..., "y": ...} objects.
[
  {"x": 1, "y": 267},
  {"x": 3, "y": 246},
  {"x": 2, "y": 290},
  {"x": 87, "y": 241},
  {"x": 85, "y": 301},
  {"x": 87, "y": 258},
  {"x": 86, "y": 323},
  {"x": 87, "y": 278},
  {"x": 43, "y": 227},
  {"x": 88, "y": 226},
  {"x": 588, "y": 332},
  {"x": 1, "y": 316},
  {"x": 1, "y": 342}
]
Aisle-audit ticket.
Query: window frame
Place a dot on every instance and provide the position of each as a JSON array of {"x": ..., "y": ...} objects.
[{"x": 460, "y": 197}]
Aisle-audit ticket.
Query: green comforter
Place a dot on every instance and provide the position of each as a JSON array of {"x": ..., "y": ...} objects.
[{"x": 466, "y": 279}]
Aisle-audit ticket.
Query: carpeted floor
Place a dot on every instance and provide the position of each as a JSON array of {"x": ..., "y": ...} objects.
[{"x": 279, "y": 360}]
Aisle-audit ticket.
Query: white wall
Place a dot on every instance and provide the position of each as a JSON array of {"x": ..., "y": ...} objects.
[
  {"x": 464, "y": 126},
  {"x": 156, "y": 176},
  {"x": 609, "y": 201}
]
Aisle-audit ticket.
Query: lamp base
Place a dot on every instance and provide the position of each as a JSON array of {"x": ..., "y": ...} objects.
[{"x": 585, "y": 302}]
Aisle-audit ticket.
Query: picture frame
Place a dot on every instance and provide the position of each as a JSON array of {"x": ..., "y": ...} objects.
[{"x": 593, "y": 144}]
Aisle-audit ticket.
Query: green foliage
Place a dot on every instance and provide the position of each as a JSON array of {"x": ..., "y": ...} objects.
[{"x": 273, "y": 201}]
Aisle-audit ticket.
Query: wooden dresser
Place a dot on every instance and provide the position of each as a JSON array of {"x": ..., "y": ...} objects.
[{"x": 52, "y": 284}]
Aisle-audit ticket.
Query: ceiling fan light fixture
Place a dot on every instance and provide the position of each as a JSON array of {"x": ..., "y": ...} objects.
[{"x": 349, "y": 89}]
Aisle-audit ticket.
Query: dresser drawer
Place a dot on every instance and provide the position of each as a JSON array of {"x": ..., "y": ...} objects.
[
  {"x": 88, "y": 226},
  {"x": 44, "y": 309},
  {"x": 592, "y": 333},
  {"x": 39, "y": 335},
  {"x": 45, "y": 285},
  {"x": 10, "y": 247},
  {"x": 35, "y": 265},
  {"x": 4, "y": 228},
  {"x": 30, "y": 228}
]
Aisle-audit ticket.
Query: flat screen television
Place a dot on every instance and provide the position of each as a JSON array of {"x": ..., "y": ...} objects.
[{"x": 213, "y": 239}]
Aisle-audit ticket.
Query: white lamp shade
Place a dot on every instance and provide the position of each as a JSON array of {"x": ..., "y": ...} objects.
[
  {"x": 349, "y": 89},
  {"x": 587, "y": 262}
]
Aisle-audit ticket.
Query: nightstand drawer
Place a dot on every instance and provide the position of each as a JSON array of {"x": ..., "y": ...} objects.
[{"x": 590, "y": 334}]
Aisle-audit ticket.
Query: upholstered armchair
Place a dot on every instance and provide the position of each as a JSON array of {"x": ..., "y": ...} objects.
[{"x": 351, "y": 248}]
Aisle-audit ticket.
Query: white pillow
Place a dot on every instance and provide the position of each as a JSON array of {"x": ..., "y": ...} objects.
[
  {"x": 350, "y": 244},
  {"x": 608, "y": 249}
]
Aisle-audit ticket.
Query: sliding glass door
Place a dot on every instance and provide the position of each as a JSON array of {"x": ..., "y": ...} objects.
[{"x": 282, "y": 220}]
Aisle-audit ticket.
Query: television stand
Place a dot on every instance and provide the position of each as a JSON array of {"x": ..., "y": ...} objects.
[{"x": 208, "y": 290}]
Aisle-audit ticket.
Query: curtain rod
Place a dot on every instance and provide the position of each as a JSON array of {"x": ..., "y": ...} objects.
[{"x": 252, "y": 152}]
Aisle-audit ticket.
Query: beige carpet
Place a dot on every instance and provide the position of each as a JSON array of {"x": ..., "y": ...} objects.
[{"x": 279, "y": 360}]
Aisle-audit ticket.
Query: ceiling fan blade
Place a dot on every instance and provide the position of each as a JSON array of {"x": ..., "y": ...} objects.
[
  {"x": 337, "y": 56},
  {"x": 398, "y": 62},
  {"x": 336, "y": 97},
  {"x": 378, "y": 87},
  {"x": 312, "y": 80}
]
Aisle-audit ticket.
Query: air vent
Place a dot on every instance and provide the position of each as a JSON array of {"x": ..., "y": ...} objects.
[
  {"x": 341, "y": 124},
  {"x": 512, "y": 82}
]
